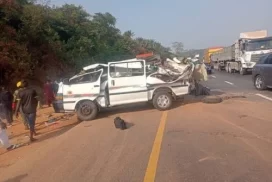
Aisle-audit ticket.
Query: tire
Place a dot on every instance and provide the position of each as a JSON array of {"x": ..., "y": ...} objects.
[
  {"x": 212, "y": 99},
  {"x": 159, "y": 97},
  {"x": 261, "y": 85},
  {"x": 87, "y": 110}
]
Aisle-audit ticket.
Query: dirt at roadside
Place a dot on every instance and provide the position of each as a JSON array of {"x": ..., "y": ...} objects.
[{"x": 18, "y": 134}]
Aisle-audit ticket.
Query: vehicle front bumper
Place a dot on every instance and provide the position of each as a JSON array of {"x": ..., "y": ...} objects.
[{"x": 249, "y": 65}]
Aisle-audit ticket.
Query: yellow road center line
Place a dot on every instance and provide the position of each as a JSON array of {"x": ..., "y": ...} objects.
[{"x": 151, "y": 169}]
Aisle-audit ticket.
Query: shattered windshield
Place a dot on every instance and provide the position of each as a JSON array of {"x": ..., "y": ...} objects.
[
  {"x": 85, "y": 78},
  {"x": 258, "y": 45}
]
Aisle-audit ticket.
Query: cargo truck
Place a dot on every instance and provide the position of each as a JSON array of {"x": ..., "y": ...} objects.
[
  {"x": 207, "y": 57},
  {"x": 208, "y": 52},
  {"x": 244, "y": 53}
]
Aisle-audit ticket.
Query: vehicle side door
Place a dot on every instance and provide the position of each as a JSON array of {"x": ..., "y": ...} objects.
[
  {"x": 83, "y": 86},
  {"x": 268, "y": 71},
  {"x": 127, "y": 82}
]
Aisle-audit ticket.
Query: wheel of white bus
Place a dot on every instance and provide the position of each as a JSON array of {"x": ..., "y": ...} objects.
[
  {"x": 162, "y": 100},
  {"x": 87, "y": 110}
]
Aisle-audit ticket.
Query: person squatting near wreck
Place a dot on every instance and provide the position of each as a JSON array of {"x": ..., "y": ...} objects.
[{"x": 28, "y": 100}]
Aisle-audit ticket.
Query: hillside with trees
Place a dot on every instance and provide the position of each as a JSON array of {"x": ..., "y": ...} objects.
[
  {"x": 178, "y": 49},
  {"x": 39, "y": 40}
]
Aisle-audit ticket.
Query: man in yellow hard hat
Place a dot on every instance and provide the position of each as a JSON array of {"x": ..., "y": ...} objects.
[{"x": 15, "y": 101}]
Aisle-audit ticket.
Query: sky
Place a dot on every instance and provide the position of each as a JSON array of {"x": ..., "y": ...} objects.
[{"x": 196, "y": 23}]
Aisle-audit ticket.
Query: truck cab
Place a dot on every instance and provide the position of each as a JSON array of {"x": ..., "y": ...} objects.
[
  {"x": 253, "y": 49},
  {"x": 117, "y": 83},
  {"x": 250, "y": 48}
]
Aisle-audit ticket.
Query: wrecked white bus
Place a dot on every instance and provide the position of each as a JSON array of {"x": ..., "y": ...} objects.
[{"x": 119, "y": 83}]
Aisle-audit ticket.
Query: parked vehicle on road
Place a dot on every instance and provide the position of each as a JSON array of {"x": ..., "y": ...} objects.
[
  {"x": 119, "y": 83},
  {"x": 207, "y": 55},
  {"x": 244, "y": 53},
  {"x": 262, "y": 73}
]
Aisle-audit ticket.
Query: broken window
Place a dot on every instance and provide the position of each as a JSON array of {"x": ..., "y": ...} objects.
[
  {"x": 86, "y": 78},
  {"x": 128, "y": 69}
]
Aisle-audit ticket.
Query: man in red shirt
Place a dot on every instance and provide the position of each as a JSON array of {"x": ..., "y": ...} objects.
[{"x": 48, "y": 93}]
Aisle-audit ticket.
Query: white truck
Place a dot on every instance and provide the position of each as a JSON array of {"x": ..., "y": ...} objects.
[
  {"x": 244, "y": 53},
  {"x": 113, "y": 84}
]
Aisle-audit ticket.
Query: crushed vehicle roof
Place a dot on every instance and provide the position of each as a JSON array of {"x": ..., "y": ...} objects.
[{"x": 93, "y": 66}]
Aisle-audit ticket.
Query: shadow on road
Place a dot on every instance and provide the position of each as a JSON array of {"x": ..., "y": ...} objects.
[
  {"x": 132, "y": 108},
  {"x": 44, "y": 133},
  {"x": 129, "y": 125},
  {"x": 17, "y": 178},
  {"x": 217, "y": 93},
  {"x": 187, "y": 99},
  {"x": 56, "y": 132}
]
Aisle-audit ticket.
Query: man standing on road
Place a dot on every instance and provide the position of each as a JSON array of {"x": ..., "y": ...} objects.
[
  {"x": 28, "y": 100},
  {"x": 15, "y": 100}
]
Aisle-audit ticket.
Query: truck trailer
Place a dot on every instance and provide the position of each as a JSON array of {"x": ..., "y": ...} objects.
[
  {"x": 208, "y": 52},
  {"x": 244, "y": 53}
]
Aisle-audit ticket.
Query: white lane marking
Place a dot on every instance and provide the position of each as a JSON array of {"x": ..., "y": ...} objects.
[
  {"x": 265, "y": 97},
  {"x": 228, "y": 82},
  {"x": 213, "y": 76}
]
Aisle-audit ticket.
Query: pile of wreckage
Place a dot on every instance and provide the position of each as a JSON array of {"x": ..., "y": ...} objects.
[
  {"x": 170, "y": 71},
  {"x": 160, "y": 71}
]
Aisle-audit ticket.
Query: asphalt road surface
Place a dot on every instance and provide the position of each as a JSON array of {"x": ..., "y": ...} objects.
[
  {"x": 226, "y": 82},
  {"x": 230, "y": 141}
]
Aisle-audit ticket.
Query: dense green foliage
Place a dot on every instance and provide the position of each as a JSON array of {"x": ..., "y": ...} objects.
[{"x": 39, "y": 36}]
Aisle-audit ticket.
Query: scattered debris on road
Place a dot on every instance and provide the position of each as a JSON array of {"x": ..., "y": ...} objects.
[{"x": 120, "y": 123}]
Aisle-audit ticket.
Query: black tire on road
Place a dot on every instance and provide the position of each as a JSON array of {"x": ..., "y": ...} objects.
[
  {"x": 260, "y": 86},
  {"x": 87, "y": 110},
  {"x": 212, "y": 99},
  {"x": 160, "y": 97}
]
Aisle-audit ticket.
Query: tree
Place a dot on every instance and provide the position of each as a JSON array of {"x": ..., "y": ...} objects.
[
  {"x": 178, "y": 48},
  {"x": 38, "y": 38}
]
